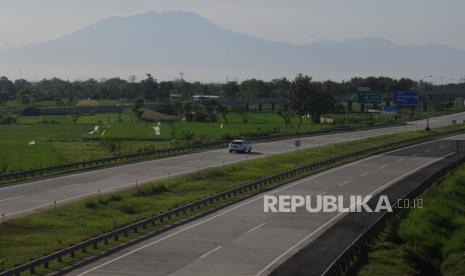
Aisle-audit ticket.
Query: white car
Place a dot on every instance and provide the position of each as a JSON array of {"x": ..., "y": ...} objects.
[{"x": 240, "y": 146}]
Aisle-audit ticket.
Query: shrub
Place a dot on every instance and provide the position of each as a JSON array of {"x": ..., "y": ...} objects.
[
  {"x": 129, "y": 209},
  {"x": 152, "y": 190},
  {"x": 91, "y": 205}
]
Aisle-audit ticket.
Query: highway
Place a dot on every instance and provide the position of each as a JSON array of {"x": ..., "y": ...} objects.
[
  {"x": 21, "y": 199},
  {"x": 244, "y": 240}
]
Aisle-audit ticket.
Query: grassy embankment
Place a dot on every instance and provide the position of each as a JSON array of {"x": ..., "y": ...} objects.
[
  {"x": 425, "y": 241},
  {"x": 35, "y": 235}
]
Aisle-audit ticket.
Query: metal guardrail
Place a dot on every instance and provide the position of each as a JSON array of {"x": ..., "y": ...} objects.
[
  {"x": 24, "y": 174},
  {"x": 345, "y": 260},
  {"x": 254, "y": 186},
  {"x": 95, "y": 163}
]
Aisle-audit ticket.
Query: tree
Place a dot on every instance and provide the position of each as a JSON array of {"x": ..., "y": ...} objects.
[
  {"x": 231, "y": 90},
  {"x": 286, "y": 118},
  {"x": 178, "y": 108},
  {"x": 130, "y": 91},
  {"x": 25, "y": 96},
  {"x": 253, "y": 88},
  {"x": 187, "y": 111},
  {"x": 136, "y": 108},
  {"x": 7, "y": 89},
  {"x": 309, "y": 97},
  {"x": 149, "y": 88},
  {"x": 280, "y": 88},
  {"x": 210, "y": 107},
  {"x": 224, "y": 112}
]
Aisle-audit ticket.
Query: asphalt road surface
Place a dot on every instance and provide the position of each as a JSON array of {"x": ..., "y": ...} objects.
[
  {"x": 316, "y": 258},
  {"x": 20, "y": 199},
  {"x": 244, "y": 240}
]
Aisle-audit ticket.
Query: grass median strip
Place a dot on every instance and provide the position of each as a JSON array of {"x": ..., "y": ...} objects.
[
  {"x": 424, "y": 241},
  {"x": 32, "y": 236}
]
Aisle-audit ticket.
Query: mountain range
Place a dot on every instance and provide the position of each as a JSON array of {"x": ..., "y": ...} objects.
[{"x": 165, "y": 44}]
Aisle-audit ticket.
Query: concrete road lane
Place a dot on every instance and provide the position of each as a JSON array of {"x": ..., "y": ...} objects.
[
  {"x": 28, "y": 197},
  {"x": 244, "y": 240}
]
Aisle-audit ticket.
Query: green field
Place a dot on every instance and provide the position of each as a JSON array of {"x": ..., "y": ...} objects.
[
  {"x": 62, "y": 139},
  {"x": 425, "y": 241}
]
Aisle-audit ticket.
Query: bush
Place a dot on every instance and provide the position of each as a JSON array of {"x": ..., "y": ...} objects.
[
  {"x": 116, "y": 198},
  {"x": 187, "y": 135},
  {"x": 129, "y": 209},
  {"x": 152, "y": 190},
  {"x": 91, "y": 205}
]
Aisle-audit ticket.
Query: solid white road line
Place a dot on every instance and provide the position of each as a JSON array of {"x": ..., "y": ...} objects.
[
  {"x": 104, "y": 190},
  {"x": 256, "y": 227},
  {"x": 261, "y": 272},
  {"x": 258, "y": 197},
  {"x": 209, "y": 252}
]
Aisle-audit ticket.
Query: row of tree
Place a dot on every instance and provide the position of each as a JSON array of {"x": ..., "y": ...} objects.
[
  {"x": 68, "y": 92},
  {"x": 305, "y": 97}
]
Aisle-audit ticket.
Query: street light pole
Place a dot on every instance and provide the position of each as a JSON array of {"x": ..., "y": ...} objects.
[
  {"x": 427, "y": 109},
  {"x": 427, "y": 113},
  {"x": 347, "y": 113}
]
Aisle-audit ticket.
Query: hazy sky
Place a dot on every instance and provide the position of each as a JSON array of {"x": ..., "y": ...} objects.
[{"x": 25, "y": 22}]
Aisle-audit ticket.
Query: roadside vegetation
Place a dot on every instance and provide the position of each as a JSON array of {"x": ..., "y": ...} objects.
[
  {"x": 59, "y": 139},
  {"x": 30, "y": 139},
  {"x": 425, "y": 241},
  {"x": 32, "y": 236},
  {"x": 56, "y": 139}
]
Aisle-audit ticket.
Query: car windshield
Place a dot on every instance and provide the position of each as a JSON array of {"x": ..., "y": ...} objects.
[{"x": 237, "y": 143}]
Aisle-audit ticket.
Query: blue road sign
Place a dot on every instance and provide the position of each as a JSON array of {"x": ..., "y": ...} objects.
[
  {"x": 405, "y": 98},
  {"x": 389, "y": 108}
]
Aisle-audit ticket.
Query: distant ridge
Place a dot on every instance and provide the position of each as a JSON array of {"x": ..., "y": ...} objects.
[{"x": 165, "y": 44}]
